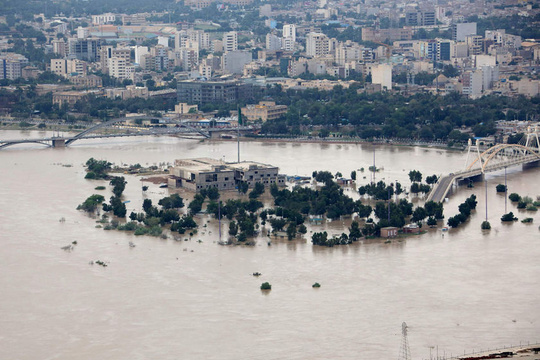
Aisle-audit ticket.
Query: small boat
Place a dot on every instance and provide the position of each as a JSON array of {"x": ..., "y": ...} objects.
[{"x": 163, "y": 185}]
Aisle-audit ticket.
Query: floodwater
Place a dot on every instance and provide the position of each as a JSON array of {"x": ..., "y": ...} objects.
[{"x": 167, "y": 299}]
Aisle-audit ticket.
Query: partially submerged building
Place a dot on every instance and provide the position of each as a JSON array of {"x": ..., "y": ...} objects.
[{"x": 203, "y": 173}]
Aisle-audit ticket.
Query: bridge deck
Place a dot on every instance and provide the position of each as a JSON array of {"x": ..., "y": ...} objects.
[{"x": 443, "y": 186}]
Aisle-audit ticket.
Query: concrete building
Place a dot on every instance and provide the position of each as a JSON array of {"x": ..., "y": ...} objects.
[
  {"x": 59, "y": 47},
  {"x": 317, "y": 44},
  {"x": 139, "y": 52},
  {"x": 460, "y": 31},
  {"x": 230, "y": 41},
  {"x": 82, "y": 32},
  {"x": 83, "y": 49},
  {"x": 233, "y": 61},
  {"x": 273, "y": 42},
  {"x": 382, "y": 74},
  {"x": 89, "y": 81},
  {"x": 420, "y": 18},
  {"x": 288, "y": 44},
  {"x": 484, "y": 60},
  {"x": 11, "y": 65},
  {"x": 108, "y": 52},
  {"x": 472, "y": 82},
  {"x": 68, "y": 97},
  {"x": 381, "y": 35},
  {"x": 120, "y": 68},
  {"x": 205, "y": 71},
  {"x": 184, "y": 108},
  {"x": 131, "y": 91},
  {"x": 103, "y": 19},
  {"x": 289, "y": 32},
  {"x": 65, "y": 68},
  {"x": 203, "y": 92},
  {"x": 475, "y": 44},
  {"x": 265, "y": 110},
  {"x": 204, "y": 173}
]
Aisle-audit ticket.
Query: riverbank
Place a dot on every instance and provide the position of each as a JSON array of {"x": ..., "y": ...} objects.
[{"x": 355, "y": 141}]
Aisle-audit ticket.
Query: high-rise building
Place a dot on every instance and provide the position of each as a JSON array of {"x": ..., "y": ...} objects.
[
  {"x": 460, "y": 31},
  {"x": 233, "y": 61},
  {"x": 82, "y": 33},
  {"x": 83, "y": 49},
  {"x": 59, "y": 47},
  {"x": 140, "y": 51},
  {"x": 230, "y": 41},
  {"x": 420, "y": 18},
  {"x": 109, "y": 52},
  {"x": 382, "y": 74},
  {"x": 117, "y": 67},
  {"x": 289, "y": 31},
  {"x": 317, "y": 44},
  {"x": 11, "y": 66},
  {"x": 103, "y": 19},
  {"x": 202, "y": 92},
  {"x": 65, "y": 67},
  {"x": 273, "y": 42},
  {"x": 472, "y": 82}
]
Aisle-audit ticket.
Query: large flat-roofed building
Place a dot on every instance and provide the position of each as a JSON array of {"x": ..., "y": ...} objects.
[
  {"x": 204, "y": 173},
  {"x": 202, "y": 92},
  {"x": 265, "y": 110},
  {"x": 253, "y": 172}
]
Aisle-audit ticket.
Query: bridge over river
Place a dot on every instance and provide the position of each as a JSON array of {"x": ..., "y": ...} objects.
[
  {"x": 94, "y": 133},
  {"x": 526, "y": 153}
]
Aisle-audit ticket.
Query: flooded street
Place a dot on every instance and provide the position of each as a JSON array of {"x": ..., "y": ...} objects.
[{"x": 167, "y": 299}]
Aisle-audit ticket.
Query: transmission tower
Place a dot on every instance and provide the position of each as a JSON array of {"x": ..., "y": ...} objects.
[{"x": 404, "y": 351}]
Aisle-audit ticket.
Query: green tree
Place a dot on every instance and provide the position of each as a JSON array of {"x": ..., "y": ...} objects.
[
  {"x": 291, "y": 231},
  {"x": 119, "y": 184},
  {"x": 233, "y": 228},
  {"x": 213, "y": 193},
  {"x": 91, "y": 203},
  {"x": 415, "y": 176}
]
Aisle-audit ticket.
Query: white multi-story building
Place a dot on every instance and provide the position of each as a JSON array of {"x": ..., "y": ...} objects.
[
  {"x": 230, "y": 41},
  {"x": 109, "y": 52},
  {"x": 273, "y": 42},
  {"x": 460, "y": 31},
  {"x": 288, "y": 44},
  {"x": 103, "y": 19},
  {"x": 347, "y": 52},
  {"x": 59, "y": 47},
  {"x": 472, "y": 82},
  {"x": 317, "y": 44},
  {"x": 140, "y": 51},
  {"x": 188, "y": 39},
  {"x": 205, "y": 71},
  {"x": 82, "y": 33},
  {"x": 289, "y": 31},
  {"x": 233, "y": 61},
  {"x": 382, "y": 74},
  {"x": 117, "y": 67},
  {"x": 11, "y": 66}
]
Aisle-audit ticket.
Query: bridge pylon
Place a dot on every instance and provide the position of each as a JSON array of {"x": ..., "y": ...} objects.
[
  {"x": 531, "y": 138},
  {"x": 476, "y": 155}
]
